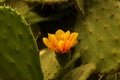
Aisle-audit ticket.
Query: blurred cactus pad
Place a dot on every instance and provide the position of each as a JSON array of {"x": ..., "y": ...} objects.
[
  {"x": 100, "y": 36},
  {"x": 24, "y": 23},
  {"x": 18, "y": 50}
]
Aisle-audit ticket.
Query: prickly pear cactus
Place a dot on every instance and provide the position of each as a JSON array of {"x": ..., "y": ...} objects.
[
  {"x": 47, "y": 1},
  {"x": 49, "y": 64},
  {"x": 52, "y": 68},
  {"x": 19, "y": 59},
  {"x": 80, "y": 73},
  {"x": 100, "y": 35}
]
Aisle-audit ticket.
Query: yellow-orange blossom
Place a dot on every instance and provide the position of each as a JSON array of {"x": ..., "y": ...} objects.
[{"x": 61, "y": 42}]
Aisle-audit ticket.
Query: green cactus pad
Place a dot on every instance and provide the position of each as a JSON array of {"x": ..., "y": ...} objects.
[
  {"x": 80, "y": 73},
  {"x": 54, "y": 67},
  {"x": 100, "y": 35},
  {"x": 49, "y": 64},
  {"x": 19, "y": 59}
]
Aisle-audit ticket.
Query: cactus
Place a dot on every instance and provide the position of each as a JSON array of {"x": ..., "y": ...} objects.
[
  {"x": 98, "y": 49},
  {"x": 46, "y": 1},
  {"x": 51, "y": 67},
  {"x": 80, "y": 73},
  {"x": 100, "y": 35},
  {"x": 80, "y": 5},
  {"x": 18, "y": 50},
  {"x": 49, "y": 64}
]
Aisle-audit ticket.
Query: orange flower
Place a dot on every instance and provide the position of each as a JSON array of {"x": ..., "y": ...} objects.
[{"x": 61, "y": 42}]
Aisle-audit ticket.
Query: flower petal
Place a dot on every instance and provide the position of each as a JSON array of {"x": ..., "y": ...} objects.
[
  {"x": 46, "y": 42},
  {"x": 58, "y": 33},
  {"x": 61, "y": 46},
  {"x": 52, "y": 38},
  {"x": 49, "y": 44},
  {"x": 67, "y": 35},
  {"x": 73, "y": 43},
  {"x": 73, "y": 36},
  {"x": 67, "y": 46}
]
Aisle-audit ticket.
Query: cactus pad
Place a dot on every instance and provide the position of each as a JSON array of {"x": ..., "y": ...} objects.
[
  {"x": 19, "y": 59},
  {"x": 100, "y": 35}
]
